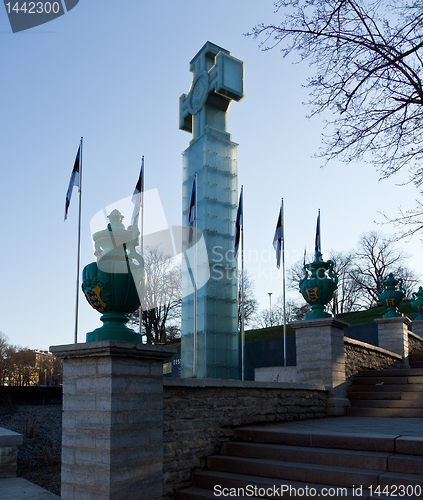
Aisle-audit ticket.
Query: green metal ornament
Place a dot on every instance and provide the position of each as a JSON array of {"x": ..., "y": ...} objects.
[
  {"x": 391, "y": 295},
  {"x": 116, "y": 283},
  {"x": 417, "y": 304},
  {"x": 318, "y": 286}
]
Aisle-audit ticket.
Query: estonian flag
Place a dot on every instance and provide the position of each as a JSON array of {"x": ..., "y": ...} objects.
[
  {"x": 74, "y": 180},
  {"x": 277, "y": 240},
  {"x": 238, "y": 226},
  {"x": 136, "y": 197},
  {"x": 191, "y": 214},
  {"x": 318, "y": 247}
]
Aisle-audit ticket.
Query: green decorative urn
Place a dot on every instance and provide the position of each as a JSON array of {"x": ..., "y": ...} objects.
[
  {"x": 116, "y": 283},
  {"x": 391, "y": 294},
  {"x": 417, "y": 303},
  {"x": 318, "y": 286}
]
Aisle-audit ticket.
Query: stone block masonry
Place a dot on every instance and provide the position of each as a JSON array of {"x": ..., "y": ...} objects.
[
  {"x": 112, "y": 437},
  {"x": 415, "y": 340},
  {"x": 321, "y": 359},
  {"x": 361, "y": 356},
  {"x": 393, "y": 335},
  {"x": 200, "y": 414},
  {"x": 9, "y": 442}
]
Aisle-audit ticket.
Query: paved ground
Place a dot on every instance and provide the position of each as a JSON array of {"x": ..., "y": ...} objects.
[
  {"x": 18, "y": 488},
  {"x": 361, "y": 425}
]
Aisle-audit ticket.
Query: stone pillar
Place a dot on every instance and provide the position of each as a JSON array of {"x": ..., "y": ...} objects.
[
  {"x": 393, "y": 335},
  {"x": 112, "y": 437},
  {"x": 321, "y": 358}
]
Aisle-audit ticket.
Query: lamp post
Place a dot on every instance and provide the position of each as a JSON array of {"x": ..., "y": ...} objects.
[{"x": 270, "y": 300}]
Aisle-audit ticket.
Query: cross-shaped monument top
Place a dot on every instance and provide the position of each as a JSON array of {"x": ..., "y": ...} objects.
[{"x": 218, "y": 78}]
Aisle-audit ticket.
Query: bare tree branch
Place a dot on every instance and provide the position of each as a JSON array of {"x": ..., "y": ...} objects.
[{"x": 367, "y": 61}]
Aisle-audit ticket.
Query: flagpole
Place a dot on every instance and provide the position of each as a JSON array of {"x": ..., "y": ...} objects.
[
  {"x": 142, "y": 233},
  {"x": 242, "y": 285},
  {"x": 79, "y": 245},
  {"x": 283, "y": 285},
  {"x": 194, "y": 374}
]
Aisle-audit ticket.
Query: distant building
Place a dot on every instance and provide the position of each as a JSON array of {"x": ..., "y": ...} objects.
[{"x": 28, "y": 367}]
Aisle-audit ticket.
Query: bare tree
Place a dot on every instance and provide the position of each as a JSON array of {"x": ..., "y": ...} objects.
[
  {"x": 263, "y": 319},
  {"x": 377, "y": 257},
  {"x": 21, "y": 369},
  {"x": 295, "y": 274},
  {"x": 3, "y": 358},
  {"x": 162, "y": 301},
  {"x": 250, "y": 302},
  {"x": 368, "y": 61},
  {"x": 348, "y": 293},
  {"x": 408, "y": 222},
  {"x": 294, "y": 311}
]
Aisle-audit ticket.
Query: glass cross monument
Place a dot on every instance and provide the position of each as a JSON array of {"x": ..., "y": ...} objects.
[{"x": 218, "y": 79}]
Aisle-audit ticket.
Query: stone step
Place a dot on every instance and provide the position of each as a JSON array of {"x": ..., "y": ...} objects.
[
  {"x": 376, "y": 395},
  {"x": 279, "y": 435},
  {"x": 385, "y": 412},
  {"x": 393, "y": 373},
  {"x": 410, "y": 403},
  {"x": 409, "y": 445},
  {"x": 269, "y": 457},
  {"x": 388, "y": 388},
  {"x": 317, "y": 456},
  {"x": 389, "y": 380},
  {"x": 333, "y": 475},
  {"x": 385, "y": 395},
  {"x": 394, "y": 478},
  {"x": 412, "y": 395},
  {"x": 200, "y": 494},
  {"x": 405, "y": 464},
  {"x": 209, "y": 479},
  {"x": 206, "y": 481}
]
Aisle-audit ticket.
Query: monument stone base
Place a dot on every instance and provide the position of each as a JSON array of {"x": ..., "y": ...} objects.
[
  {"x": 321, "y": 358},
  {"x": 112, "y": 436},
  {"x": 276, "y": 374}
]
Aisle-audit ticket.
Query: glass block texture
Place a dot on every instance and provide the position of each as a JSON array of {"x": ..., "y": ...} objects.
[{"x": 215, "y": 162}]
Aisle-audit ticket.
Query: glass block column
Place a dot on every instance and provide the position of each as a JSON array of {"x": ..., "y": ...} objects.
[{"x": 215, "y": 162}]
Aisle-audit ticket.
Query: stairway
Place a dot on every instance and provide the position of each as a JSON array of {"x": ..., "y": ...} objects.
[
  {"x": 306, "y": 463},
  {"x": 389, "y": 393}
]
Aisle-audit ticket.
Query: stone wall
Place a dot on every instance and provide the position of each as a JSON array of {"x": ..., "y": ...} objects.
[
  {"x": 361, "y": 356},
  {"x": 414, "y": 342},
  {"x": 201, "y": 414},
  {"x": 9, "y": 442}
]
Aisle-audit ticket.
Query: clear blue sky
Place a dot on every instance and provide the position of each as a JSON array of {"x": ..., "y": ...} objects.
[{"x": 113, "y": 73}]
